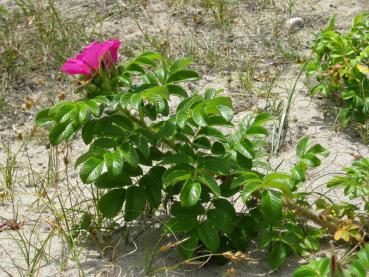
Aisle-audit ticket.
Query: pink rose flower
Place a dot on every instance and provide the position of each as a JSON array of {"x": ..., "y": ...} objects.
[{"x": 88, "y": 61}]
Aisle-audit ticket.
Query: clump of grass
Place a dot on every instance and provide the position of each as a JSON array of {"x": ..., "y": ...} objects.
[
  {"x": 9, "y": 167},
  {"x": 246, "y": 78},
  {"x": 221, "y": 11},
  {"x": 32, "y": 247}
]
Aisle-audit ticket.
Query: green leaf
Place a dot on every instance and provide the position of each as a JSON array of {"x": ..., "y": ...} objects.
[
  {"x": 122, "y": 122},
  {"x": 198, "y": 114},
  {"x": 136, "y": 100},
  {"x": 177, "y": 90},
  {"x": 183, "y": 75},
  {"x": 279, "y": 181},
  {"x": 190, "y": 193},
  {"x": 218, "y": 148},
  {"x": 111, "y": 203},
  {"x": 94, "y": 107},
  {"x": 318, "y": 149},
  {"x": 142, "y": 145},
  {"x": 272, "y": 205},
  {"x": 106, "y": 181},
  {"x": 267, "y": 237},
  {"x": 129, "y": 154},
  {"x": 226, "y": 112},
  {"x": 91, "y": 169},
  {"x": 114, "y": 163},
  {"x": 211, "y": 93},
  {"x": 135, "y": 203},
  {"x": 202, "y": 142},
  {"x": 181, "y": 118},
  {"x": 302, "y": 146},
  {"x": 221, "y": 220},
  {"x": 180, "y": 224},
  {"x": 180, "y": 64},
  {"x": 152, "y": 184},
  {"x": 153, "y": 92},
  {"x": 65, "y": 112},
  {"x": 166, "y": 131},
  {"x": 214, "y": 164},
  {"x": 177, "y": 159},
  {"x": 88, "y": 131},
  {"x": 226, "y": 206},
  {"x": 250, "y": 187},
  {"x": 148, "y": 58},
  {"x": 176, "y": 174},
  {"x": 257, "y": 130},
  {"x": 209, "y": 236},
  {"x": 307, "y": 272},
  {"x": 43, "y": 118},
  {"x": 212, "y": 132},
  {"x": 277, "y": 256},
  {"x": 262, "y": 118},
  {"x": 61, "y": 132},
  {"x": 245, "y": 149},
  {"x": 134, "y": 67},
  {"x": 211, "y": 183},
  {"x": 316, "y": 268},
  {"x": 178, "y": 210},
  {"x": 188, "y": 247}
]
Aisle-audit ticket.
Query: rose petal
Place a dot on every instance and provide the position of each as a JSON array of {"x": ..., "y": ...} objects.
[
  {"x": 90, "y": 55},
  {"x": 74, "y": 66},
  {"x": 112, "y": 46},
  {"x": 88, "y": 61}
]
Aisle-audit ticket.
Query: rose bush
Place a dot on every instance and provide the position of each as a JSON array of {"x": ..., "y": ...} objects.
[{"x": 189, "y": 160}]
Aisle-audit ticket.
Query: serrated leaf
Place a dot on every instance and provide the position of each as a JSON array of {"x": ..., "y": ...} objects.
[
  {"x": 302, "y": 146},
  {"x": 272, "y": 205},
  {"x": 226, "y": 112},
  {"x": 61, "y": 132},
  {"x": 198, "y": 114},
  {"x": 214, "y": 164},
  {"x": 114, "y": 163},
  {"x": 211, "y": 183},
  {"x": 129, "y": 154},
  {"x": 43, "y": 118},
  {"x": 106, "y": 181},
  {"x": 175, "y": 176},
  {"x": 212, "y": 132},
  {"x": 91, "y": 169},
  {"x": 183, "y": 75},
  {"x": 177, "y": 90},
  {"x": 180, "y": 64}
]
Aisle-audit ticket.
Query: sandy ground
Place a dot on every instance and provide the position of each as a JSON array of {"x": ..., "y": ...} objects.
[{"x": 188, "y": 29}]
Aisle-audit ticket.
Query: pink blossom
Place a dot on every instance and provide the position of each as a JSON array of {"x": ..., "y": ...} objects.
[{"x": 88, "y": 61}]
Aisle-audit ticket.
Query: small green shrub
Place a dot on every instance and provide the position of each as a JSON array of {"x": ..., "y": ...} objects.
[
  {"x": 341, "y": 69},
  {"x": 190, "y": 160}
]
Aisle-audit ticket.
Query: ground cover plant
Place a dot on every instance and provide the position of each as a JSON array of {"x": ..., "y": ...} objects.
[
  {"x": 341, "y": 69},
  {"x": 192, "y": 163}
]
